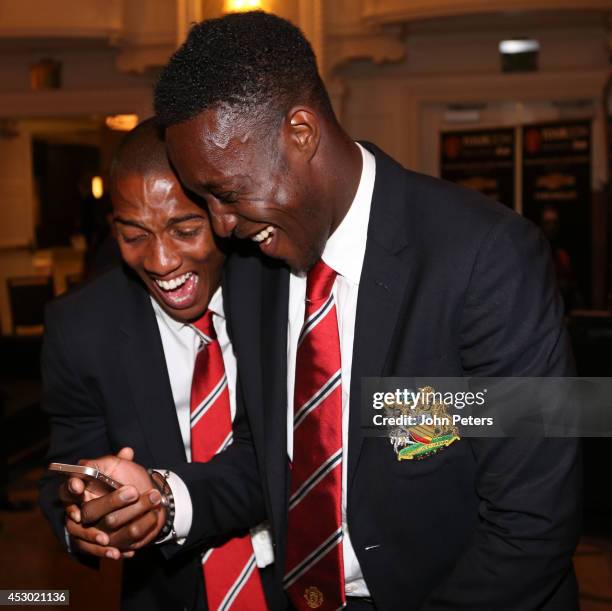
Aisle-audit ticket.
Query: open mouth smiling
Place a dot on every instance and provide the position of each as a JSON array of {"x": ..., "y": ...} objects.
[
  {"x": 179, "y": 292},
  {"x": 264, "y": 235},
  {"x": 174, "y": 283}
]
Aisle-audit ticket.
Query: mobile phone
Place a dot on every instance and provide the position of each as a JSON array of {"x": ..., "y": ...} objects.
[{"x": 87, "y": 474}]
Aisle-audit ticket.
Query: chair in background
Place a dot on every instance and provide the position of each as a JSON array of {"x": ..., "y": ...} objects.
[{"x": 28, "y": 296}]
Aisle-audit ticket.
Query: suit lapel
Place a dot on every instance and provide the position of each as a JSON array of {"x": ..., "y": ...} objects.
[
  {"x": 257, "y": 298},
  {"x": 142, "y": 357},
  {"x": 242, "y": 302},
  {"x": 274, "y": 363},
  {"x": 386, "y": 277},
  {"x": 259, "y": 325}
]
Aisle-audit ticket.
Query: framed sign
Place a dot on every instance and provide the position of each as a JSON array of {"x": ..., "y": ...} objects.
[
  {"x": 557, "y": 197},
  {"x": 482, "y": 160}
]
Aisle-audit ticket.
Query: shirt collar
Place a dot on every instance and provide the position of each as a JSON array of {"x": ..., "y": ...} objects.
[
  {"x": 215, "y": 306},
  {"x": 216, "y": 303},
  {"x": 345, "y": 248}
]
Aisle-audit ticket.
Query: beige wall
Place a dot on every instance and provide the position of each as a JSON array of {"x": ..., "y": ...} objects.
[
  {"x": 392, "y": 104},
  {"x": 17, "y": 262},
  {"x": 29, "y": 18},
  {"x": 16, "y": 193}
]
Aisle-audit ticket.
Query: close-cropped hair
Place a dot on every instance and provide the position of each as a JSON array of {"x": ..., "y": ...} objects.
[
  {"x": 255, "y": 63},
  {"x": 142, "y": 150}
]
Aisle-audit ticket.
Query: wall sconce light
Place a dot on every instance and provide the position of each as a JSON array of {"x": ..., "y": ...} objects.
[
  {"x": 46, "y": 74},
  {"x": 97, "y": 187},
  {"x": 239, "y": 6},
  {"x": 121, "y": 123}
]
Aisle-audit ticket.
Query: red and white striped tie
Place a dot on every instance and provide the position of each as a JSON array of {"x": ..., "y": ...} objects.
[
  {"x": 314, "y": 573},
  {"x": 231, "y": 577}
]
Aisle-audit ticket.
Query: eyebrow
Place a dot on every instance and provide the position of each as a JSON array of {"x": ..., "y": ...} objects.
[
  {"x": 118, "y": 219},
  {"x": 176, "y": 220}
]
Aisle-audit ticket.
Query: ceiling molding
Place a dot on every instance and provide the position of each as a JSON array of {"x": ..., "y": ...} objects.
[
  {"x": 77, "y": 102},
  {"x": 400, "y": 11},
  {"x": 376, "y": 46}
]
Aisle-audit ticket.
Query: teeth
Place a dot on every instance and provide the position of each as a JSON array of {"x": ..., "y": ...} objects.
[
  {"x": 170, "y": 285},
  {"x": 264, "y": 234},
  {"x": 181, "y": 299}
]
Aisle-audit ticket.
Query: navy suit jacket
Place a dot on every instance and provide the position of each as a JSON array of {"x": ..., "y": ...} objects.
[
  {"x": 106, "y": 386},
  {"x": 452, "y": 285}
]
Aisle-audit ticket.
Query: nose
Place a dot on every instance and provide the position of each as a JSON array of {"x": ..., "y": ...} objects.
[
  {"x": 162, "y": 258},
  {"x": 223, "y": 221}
]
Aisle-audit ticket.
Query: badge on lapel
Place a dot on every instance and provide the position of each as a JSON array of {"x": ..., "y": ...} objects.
[{"x": 426, "y": 428}]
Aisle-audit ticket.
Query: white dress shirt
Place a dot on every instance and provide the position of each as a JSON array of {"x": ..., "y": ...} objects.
[
  {"x": 344, "y": 253},
  {"x": 181, "y": 342}
]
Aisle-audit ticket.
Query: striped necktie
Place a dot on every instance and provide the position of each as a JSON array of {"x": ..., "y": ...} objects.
[
  {"x": 314, "y": 577},
  {"x": 231, "y": 576}
]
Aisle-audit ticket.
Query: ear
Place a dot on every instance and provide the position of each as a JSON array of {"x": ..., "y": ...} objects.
[{"x": 303, "y": 130}]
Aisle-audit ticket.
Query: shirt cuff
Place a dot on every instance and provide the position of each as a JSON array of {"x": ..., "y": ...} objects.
[
  {"x": 261, "y": 538},
  {"x": 183, "y": 507}
]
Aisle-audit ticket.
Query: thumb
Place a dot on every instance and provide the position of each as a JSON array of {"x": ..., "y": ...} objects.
[{"x": 126, "y": 454}]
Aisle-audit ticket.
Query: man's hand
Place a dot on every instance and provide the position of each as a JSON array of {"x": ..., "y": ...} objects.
[
  {"x": 113, "y": 524},
  {"x": 127, "y": 522}
]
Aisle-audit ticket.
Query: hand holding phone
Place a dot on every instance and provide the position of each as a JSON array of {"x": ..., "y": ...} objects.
[
  {"x": 89, "y": 527},
  {"x": 88, "y": 474},
  {"x": 91, "y": 479}
]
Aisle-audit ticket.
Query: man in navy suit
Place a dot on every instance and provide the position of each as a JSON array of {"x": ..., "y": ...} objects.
[
  {"x": 118, "y": 361},
  {"x": 425, "y": 279}
]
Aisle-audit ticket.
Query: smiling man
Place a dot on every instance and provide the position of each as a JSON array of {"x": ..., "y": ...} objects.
[
  {"x": 164, "y": 235},
  {"x": 382, "y": 272},
  {"x": 139, "y": 363},
  {"x": 369, "y": 270}
]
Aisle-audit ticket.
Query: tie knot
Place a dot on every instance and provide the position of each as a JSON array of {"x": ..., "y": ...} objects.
[
  {"x": 320, "y": 281},
  {"x": 204, "y": 325}
]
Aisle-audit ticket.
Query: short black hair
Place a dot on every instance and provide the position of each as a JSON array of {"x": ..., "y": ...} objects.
[
  {"x": 142, "y": 151},
  {"x": 254, "y": 62}
]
